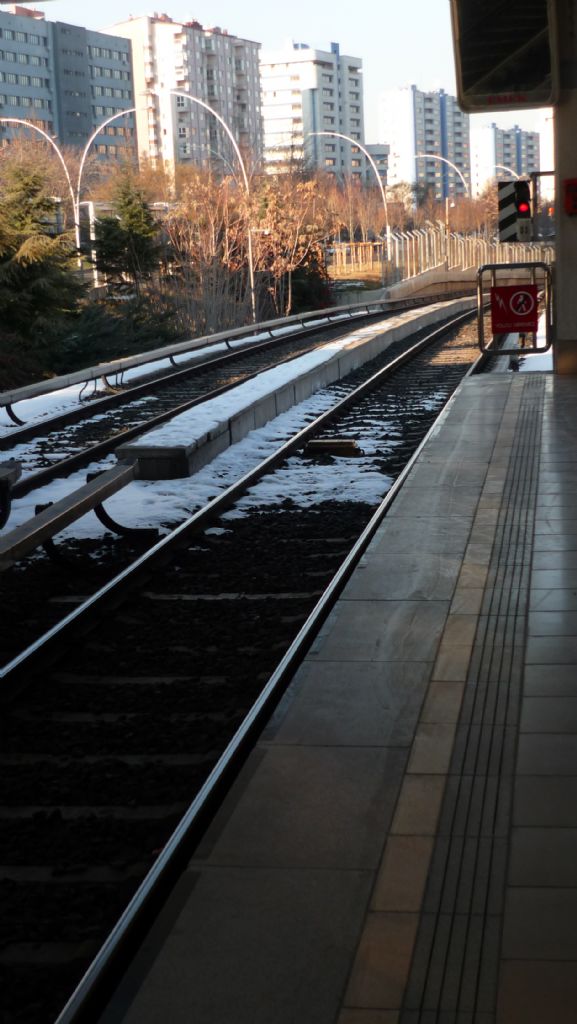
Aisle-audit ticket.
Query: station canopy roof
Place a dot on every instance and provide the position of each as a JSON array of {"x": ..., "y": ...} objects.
[{"x": 504, "y": 53}]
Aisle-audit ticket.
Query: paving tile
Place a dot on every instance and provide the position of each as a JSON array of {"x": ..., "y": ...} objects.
[
  {"x": 562, "y": 501},
  {"x": 419, "y": 804},
  {"x": 537, "y": 992},
  {"x": 381, "y": 967},
  {"x": 432, "y": 536},
  {"x": 563, "y": 482},
  {"x": 547, "y": 754},
  {"x": 558, "y": 542},
  {"x": 539, "y": 924},
  {"x": 545, "y": 651},
  {"x": 545, "y": 801},
  {"x": 259, "y": 930},
  {"x": 453, "y": 473},
  {"x": 552, "y": 623},
  {"x": 382, "y": 631},
  {"x": 308, "y": 807},
  {"x": 550, "y": 681},
  {"x": 466, "y": 601},
  {"x": 559, "y": 599},
  {"x": 403, "y": 874},
  {"x": 402, "y": 577},
  {"x": 472, "y": 575},
  {"x": 443, "y": 703},
  {"x": 459, "y": 501},
  {"x": 460, "y": 630},
  {"x": 549, "y": 715},
  {"x": 543, "y": 857},
  {"x": 486, "y": 517},
  {"x": 555, "y": 560},
  {"x": 368, "y": 1017},
  {"x": 452, "y": 664},
  {"x": 351, "y": 704},
  {"x": 549, "y": 515},
  {"x": 432, "y": 749}
]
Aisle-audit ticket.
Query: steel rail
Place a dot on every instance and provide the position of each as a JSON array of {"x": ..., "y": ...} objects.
[
  {"x": 11, "y": 397},
  {"x": 130, "y": 394},
  {"x": 100, "y": 449},
  {"x": 82, "y": 458},
  {"x": 86, "y": 1002},
  {"x": 44, "y": 648}
]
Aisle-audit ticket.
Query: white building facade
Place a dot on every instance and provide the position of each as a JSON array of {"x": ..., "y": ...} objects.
[
  {"x": 428, "y": 136},
  {"x": 219, "y": 69},
  {"x": 307, "y": 91},
  {"x": 501, "y": 153}
]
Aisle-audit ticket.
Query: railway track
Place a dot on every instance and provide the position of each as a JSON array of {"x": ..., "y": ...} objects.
[
  {"x": 104, "y": 751},
  {"x": 56, "y": 446}
]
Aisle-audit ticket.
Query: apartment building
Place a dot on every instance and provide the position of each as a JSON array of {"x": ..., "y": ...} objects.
[
  {"x": 65, "y": 80},
  {"x": 175, "y": 60},
  {"x": 306, "y": 92},
  {"x": 429, "y": 142},
  {"x": 501, "y": 153}
]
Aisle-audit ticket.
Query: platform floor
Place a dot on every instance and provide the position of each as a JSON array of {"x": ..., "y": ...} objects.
[{"x": 402, "y": 844}]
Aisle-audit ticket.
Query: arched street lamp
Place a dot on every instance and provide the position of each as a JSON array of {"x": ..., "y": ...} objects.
[
  {"x": 74, "y": 195},
  {"x": 120, "y": 113},
  {"x": 501, "y": 167},
  {"x": 45, "y": 135},
  {"x": 434, "y": 156},
  {"x": 372, "y": 163},
  {"x": 221, "y": 121}
]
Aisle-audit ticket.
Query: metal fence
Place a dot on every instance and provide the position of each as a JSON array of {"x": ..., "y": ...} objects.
[{"x": 409, "y": 253}]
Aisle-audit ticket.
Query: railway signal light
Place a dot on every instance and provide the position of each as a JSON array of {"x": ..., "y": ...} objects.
[{"x": 523, "y": 198}]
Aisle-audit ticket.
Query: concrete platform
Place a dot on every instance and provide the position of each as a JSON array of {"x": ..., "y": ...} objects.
[{"x": 402, "y": 844}]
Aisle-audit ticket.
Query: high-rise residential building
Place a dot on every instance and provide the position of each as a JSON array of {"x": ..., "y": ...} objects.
[
  {"x": 66, "y": 80},
  {"x": 428, "y": 135},
  {"x": 173, "y": 60},
  {"x": 306, "y": 92},
  {"x": 501, "y": 153},
  {"x": 379, "y": 154}
]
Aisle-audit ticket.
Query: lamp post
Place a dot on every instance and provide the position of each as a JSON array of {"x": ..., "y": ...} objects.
[
  {"x": 434, "y": 156},
  {"x": 74, "y": 195},
  {"x": 120, "y": 113},
  {"x": 372, "y": 163},
  {"x": 501, "y": 167},
  {"x": 221, "y": 121}
]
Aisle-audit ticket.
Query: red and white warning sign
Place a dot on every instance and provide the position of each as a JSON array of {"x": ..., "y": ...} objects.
[{"x": 514, "y": 307}]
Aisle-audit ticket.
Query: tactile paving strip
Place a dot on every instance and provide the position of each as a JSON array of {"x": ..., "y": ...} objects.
[{"x": 454, "y": 973}]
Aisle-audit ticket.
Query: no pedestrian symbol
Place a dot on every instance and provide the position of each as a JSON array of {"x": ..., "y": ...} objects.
[{"x": 514, "y": 308}]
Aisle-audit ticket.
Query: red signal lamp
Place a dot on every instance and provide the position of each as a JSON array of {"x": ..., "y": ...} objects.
[{"x": 523, "y": 207}]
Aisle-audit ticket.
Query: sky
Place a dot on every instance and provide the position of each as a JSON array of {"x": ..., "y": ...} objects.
[{"x": 401, "y": 42}]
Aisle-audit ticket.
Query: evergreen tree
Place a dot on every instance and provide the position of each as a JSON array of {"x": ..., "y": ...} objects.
[
  {"x": 126, "y": 244},
  {"x": 37, "y": 280}
]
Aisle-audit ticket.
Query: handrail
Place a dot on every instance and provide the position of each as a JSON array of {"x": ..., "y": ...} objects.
[
  {"x": 42, "y": 527},
  {"x": 118, "y": 366}
]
